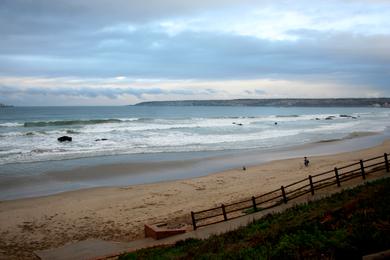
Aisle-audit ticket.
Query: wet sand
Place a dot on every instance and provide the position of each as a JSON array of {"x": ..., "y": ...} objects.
[
  {"x": 118, "y": 213},
  {"x": 51, "y": 177}
]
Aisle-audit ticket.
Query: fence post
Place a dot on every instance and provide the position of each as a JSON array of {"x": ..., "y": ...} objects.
[
  {"x": 336, "y": 172},
  {"x": 311, "y": 185},
  {"x": 284, "y": 195},
  {"x": 387, "y": 163},
  {"x": 362, "y": 169},
  {"x": 254, "y": 203},
  {"x": 224, "y": 212},
  {"x": 193, "y": 220}
]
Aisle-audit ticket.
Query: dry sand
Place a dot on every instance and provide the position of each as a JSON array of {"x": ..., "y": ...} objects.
[{"x": 118, "y": 214}]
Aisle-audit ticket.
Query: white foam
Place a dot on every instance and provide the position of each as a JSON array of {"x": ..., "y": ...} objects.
[
  {"x": 135, "y": 135},
  {"x": 11, "y": 124}
]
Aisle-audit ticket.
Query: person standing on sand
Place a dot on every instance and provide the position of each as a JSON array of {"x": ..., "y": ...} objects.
[{"x": 306, "y": 161}]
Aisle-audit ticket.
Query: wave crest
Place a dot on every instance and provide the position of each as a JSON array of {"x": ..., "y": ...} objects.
[
  {"x": 10, "y": 124},
  {"x": 71, "y": 122}
]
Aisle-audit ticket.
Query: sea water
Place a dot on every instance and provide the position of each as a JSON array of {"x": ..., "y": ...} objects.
[
  {"x": 29, "y": 134},
  {"x": 165, "y": 143}
]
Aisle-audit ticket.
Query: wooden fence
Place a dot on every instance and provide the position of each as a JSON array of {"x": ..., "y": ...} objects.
[{"x": 289, "y": 192}]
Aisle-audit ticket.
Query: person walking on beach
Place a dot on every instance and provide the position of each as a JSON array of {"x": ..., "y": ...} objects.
[{"x": 306, "y": 161}]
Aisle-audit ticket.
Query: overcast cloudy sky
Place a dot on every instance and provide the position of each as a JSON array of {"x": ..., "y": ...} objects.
[{"x": 116, "y": 52}]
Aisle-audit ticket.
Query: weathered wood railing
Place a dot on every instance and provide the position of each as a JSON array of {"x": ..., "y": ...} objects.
[{"x": 289, "y": 192}]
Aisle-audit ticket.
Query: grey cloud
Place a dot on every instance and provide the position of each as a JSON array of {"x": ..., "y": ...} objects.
[
  {"x": 93, "y": 92},
  {"x": 260, "y": 92},
  {"x": 65, "y": 38},
  {"x": 48, "y": 16},
  {"x": 255, "y": 92},
  {"x": 345, "y": 57}
]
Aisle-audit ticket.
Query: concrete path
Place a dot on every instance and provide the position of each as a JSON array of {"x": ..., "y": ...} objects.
[
  {"x": 99, "y": 249},
  {"x": 87, "y": 249}
]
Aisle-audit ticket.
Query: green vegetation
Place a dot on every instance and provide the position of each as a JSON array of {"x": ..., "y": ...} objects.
[
  {"x": 279, "y": 102},
  {"x": 344, "y": 226}
]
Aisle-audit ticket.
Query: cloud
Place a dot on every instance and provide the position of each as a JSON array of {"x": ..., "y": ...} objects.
[
  {"x": 343, "y": 42},
  {"x": 91, "y": 92},
  {"x": 47, "y": 16},
  {"x": 19, "y": 91},
  {"x": 148, "y": 54}
]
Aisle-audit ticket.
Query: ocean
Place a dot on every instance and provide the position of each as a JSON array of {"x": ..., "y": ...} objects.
[
  {"x": 29, "y": 134},
  {"x": 165, "y": 143}
]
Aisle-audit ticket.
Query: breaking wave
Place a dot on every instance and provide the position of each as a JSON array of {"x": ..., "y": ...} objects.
[
  {"x": 71, "y": 122},
  {"x": 10, "y": 124}
]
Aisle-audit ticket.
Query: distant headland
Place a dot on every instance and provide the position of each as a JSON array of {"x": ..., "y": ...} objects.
[
  {"x": 4, "y": 105},
  {"x": 288, "y": 102}
]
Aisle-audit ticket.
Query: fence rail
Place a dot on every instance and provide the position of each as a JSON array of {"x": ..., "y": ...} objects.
[{"x": 289, "y": 192}]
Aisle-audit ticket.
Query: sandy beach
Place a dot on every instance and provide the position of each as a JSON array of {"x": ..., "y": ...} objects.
[{"x": 119, "y": 213}]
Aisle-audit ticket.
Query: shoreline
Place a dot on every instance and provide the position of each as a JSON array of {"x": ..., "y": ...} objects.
[
  {"x": 114, "y": 171},
  {"x": 119, "y": 213}
]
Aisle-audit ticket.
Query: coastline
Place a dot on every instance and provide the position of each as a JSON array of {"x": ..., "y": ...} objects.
[
  {"x": 53, "y": 177},
  {"x": 118, "y": 213}
]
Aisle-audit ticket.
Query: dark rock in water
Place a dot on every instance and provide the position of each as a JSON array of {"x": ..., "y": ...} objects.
[
  {"x": 317, "y": 118},
  {"x": 276, "y": 123},
  {"x": 103, "y": 139},
  {"x": 345, "y": 116},
  {"x": 64, "y": 139},
  {"x": 329, "y": 118},
  {"x": 239, "y": 124}
]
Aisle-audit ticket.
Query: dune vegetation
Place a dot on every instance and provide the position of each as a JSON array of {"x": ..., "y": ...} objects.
[{"x": 347, "y": 225}]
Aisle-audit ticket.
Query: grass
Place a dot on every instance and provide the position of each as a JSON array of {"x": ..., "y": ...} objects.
[{"x": 347, "y": 225}]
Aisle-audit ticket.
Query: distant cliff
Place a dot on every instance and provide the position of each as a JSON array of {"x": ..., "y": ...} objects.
[
  {"x": 294, "y": 102},
  {"x": 3, "y": 105}
]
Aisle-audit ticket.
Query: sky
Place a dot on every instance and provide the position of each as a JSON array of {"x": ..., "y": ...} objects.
[{"x": 120, "y": 52}]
